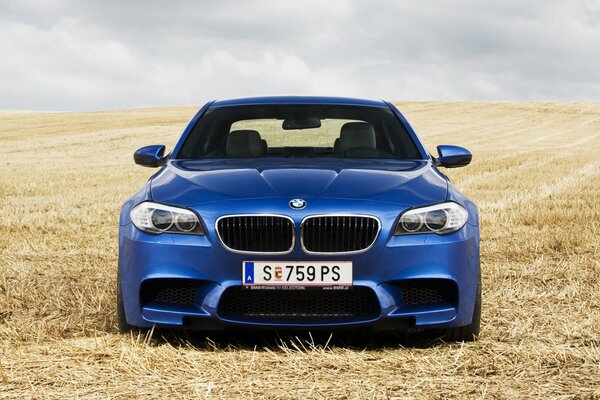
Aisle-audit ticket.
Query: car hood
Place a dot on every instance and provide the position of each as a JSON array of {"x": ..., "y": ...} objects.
[{"x": 193, "y": 182}]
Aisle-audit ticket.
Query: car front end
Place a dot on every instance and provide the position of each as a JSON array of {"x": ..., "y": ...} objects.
[{"x": 281, "y": 243}]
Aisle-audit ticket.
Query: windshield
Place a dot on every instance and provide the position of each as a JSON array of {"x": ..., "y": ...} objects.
[{"x": 299, "y": 131}]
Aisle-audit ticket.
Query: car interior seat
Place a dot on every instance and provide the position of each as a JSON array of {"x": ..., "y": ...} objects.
[{"x": 245, "y": 143}]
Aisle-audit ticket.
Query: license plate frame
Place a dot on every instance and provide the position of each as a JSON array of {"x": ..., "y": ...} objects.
[{"x": 293, "y": 274}]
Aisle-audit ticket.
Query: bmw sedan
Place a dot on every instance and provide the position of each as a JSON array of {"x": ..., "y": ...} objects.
[{"x": 300, "y": 213}]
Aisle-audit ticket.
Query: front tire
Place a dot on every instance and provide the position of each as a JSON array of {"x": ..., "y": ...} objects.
[
  {"x": 122, "y": 324},
  {"x": 468, "y": 333}
]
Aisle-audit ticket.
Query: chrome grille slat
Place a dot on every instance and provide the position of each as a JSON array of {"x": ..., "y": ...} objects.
[
  {"x": 256, "y": 233},
  {"x": 339, "y": 233}
]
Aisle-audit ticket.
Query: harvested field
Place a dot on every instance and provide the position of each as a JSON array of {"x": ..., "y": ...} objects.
[{"x": 535, "y": 177}]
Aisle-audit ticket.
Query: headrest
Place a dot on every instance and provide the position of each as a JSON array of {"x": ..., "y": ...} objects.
[
  {"x": 356, "y": 134},
  {"x": 244, "y": 143}
]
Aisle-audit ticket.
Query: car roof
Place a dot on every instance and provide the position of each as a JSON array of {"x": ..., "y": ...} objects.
[{"x": 264, "y": 100}]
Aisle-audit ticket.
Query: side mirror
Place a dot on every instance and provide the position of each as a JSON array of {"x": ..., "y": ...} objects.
[
  {"x": 150, "y": 156},
  {"x": 453, "y": 156}
]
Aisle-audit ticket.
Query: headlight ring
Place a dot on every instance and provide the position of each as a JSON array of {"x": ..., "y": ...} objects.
[
  {"x": 440, "y": 218},
  {"x": 159, "y": 218}
]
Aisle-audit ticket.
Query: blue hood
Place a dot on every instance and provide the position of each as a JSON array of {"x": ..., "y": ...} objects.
[{"x": 406, "y": 183}]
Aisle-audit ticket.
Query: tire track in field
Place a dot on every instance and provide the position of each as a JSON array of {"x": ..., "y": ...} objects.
[
  {"x": 522, "y": 130},
  {"x": 434, "y": 124},
  {"x": 512, "y": 136},
  {"x": 84, "y": 140},
  {"x": 533, "y": 160},
  {"x": 565, "y": 132},
  {"x": 520, "y": 140},
  {"x": 470, "y": 180},
  {"x": 592, "y": 136},
  {"x": 547, "y": 189},
  {"x": 580, "y": 141}
]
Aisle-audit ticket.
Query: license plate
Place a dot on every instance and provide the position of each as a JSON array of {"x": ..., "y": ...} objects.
[{"x": 297, "y": 273}]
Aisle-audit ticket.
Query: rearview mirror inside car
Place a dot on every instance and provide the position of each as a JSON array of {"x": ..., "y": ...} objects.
[{"x": 301, "y": 123}]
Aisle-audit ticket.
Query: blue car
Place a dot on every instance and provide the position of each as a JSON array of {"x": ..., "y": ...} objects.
[{"x": 300, "y": 213}]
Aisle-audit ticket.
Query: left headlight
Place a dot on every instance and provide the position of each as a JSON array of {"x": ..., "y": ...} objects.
[
  {"x": 440, "y": 218},
  {"x": 159, "y": 218}
]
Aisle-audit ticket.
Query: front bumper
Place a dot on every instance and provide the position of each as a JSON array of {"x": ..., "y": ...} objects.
[{"x": 392, "y": 259}]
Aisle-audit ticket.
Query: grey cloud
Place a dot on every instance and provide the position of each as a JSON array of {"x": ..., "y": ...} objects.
[{"x": 71, "y": 55}]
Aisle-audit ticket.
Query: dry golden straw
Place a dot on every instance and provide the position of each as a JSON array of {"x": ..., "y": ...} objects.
[{"x": 535, "y": 177}]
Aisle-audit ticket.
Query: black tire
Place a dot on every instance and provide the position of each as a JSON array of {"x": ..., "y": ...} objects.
[
  {"x": 122, "y": 324},
  {"x": 468, "y": 333}
]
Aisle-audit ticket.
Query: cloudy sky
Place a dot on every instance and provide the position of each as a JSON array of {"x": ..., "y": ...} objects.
[{"x": 95, "y": 55}]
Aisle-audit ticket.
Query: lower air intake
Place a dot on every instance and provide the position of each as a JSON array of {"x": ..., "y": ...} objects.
[
  {"x": 170, "y": 291},
  {"x": 357, "y": 303},
  {"x": 427, "y": 291}
]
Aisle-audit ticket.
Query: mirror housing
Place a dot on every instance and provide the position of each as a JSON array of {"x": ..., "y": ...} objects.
[
  {"x": 453, "y": 156},
  {"x": 150, "y": 156}
]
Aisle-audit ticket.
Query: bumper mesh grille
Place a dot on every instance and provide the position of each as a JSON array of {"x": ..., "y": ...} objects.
[
  {"x": 358, "y": 303},
  {"x": 427, "y": 291},
  {"x": 257, "y": 233},
  {"x": 336, "y": 234},
  {"x": 170, "y": 291}
]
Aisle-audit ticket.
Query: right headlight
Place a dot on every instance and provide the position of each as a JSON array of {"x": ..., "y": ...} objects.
[
  {"x": 440, "y": 218},
  {"x": 159, "y": 218}
]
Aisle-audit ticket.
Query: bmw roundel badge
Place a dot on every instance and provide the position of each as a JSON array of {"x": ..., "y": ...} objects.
[{"x": 297, "y": 204}]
